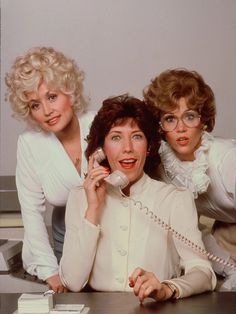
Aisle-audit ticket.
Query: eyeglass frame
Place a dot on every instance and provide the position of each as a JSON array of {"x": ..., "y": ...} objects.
[{"x": 181, "y": 118}]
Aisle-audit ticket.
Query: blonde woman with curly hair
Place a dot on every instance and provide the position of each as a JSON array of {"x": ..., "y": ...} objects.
[
  {"x": 45, "y": 89},
  {"x": 191, "y": 157}
]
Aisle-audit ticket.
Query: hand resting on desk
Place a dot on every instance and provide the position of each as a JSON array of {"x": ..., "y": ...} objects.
[
  {"x": 145, "y": 284},
  {"x": 55, "y": 284}
]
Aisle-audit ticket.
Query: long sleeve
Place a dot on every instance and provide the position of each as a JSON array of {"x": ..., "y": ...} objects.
[
  {"x": 196, "y": 280},
  {"x": 38, "y": 256},
  {"x": 128, "y": 238},
  {"x": 227, "y": 173},
  {"x": 80, "y": 243},
  {"x": 44, "y": 172},
  {"x": 198, "y": 274}
]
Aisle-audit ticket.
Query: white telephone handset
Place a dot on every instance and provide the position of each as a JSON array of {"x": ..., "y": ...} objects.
[
  {"x": 119, "y": 179},
  {"x": 116, "y": 178}
]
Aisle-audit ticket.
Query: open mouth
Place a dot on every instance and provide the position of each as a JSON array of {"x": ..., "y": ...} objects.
[
  {"x": 182, "y": 140},
  {"x": 128, "y": 163}
]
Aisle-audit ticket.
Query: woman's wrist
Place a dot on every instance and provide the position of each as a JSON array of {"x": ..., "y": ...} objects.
[
  {"x": 93, "y": 216},
  {"x": 172, "y": 292}
]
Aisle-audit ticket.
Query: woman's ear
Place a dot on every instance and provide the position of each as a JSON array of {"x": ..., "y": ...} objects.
[
  {"x": 162, "y": 134},
  {"x": 160, "y": 130}
]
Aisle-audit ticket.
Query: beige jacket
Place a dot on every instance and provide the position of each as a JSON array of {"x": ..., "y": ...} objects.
[{"x": 127, "y": 238}]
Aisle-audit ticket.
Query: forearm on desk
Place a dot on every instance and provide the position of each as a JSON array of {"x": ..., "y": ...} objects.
[{"x": 197, "y": 280}]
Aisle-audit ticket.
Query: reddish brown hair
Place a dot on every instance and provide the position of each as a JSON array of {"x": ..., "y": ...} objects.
[{"x": 166, "y": 89}]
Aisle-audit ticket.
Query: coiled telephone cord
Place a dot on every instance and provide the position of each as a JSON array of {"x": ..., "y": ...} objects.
[{"x": 178, "y": 235}]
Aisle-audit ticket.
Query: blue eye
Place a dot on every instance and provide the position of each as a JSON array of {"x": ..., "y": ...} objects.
[
  {"x": 190, "y": 116},
  {"x": 137, "y": 136}
]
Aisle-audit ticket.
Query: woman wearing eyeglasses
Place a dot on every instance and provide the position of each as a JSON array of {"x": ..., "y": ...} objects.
[{"x": 193, "y": 158}]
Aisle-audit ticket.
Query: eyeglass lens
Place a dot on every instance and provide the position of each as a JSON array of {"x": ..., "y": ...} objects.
[{"x": 169, "y": 121}]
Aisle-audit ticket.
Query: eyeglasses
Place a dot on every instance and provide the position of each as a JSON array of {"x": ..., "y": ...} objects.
[{"x": 190, "y": 119}]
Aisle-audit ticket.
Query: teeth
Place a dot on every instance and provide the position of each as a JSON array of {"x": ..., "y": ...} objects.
[
  {"x": 52, "y": 119},
  {"x": 129, "y": 161}
]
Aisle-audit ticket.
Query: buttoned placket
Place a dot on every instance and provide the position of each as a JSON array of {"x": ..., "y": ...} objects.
[{"x": 122, "y": 244}]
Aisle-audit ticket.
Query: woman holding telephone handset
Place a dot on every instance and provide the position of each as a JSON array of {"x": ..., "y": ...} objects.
[{"x": 110, "y": 243}]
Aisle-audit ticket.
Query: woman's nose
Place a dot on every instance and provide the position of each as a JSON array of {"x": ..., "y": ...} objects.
[
  {"x": 181, "y": 127},
  {"x": 128, "y": 145},
  {"x": 47, "y": 108}
]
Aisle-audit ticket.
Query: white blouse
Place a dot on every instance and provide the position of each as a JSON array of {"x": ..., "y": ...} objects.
[
  {"x": 211, "y": 176},
  {"x": 44, "y": 172},
  {"x": 106, "y": 255}
]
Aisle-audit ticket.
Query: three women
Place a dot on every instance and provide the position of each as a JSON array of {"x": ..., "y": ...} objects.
[{"x": 45, "y": 89}]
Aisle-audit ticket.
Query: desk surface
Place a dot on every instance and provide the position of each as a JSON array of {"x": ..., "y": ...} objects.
[{"x": 127, "y": 303}]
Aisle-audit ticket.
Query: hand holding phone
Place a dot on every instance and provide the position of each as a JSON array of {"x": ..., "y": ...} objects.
[
  {"x": 116, "y": 178},
  {"x": 95, "y": 190}
]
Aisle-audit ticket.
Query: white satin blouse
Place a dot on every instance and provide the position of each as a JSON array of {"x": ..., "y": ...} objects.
[{"x": 44, "y": 172}]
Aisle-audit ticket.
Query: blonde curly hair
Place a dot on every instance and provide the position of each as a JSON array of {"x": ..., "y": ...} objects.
[{"x": 43, "y": 64}]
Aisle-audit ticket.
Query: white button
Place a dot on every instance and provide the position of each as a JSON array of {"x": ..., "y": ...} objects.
[
  {"x": 122, "y": 252},
  {"x": 125, "y": 203},
  {"x": 124, "y": 227}
]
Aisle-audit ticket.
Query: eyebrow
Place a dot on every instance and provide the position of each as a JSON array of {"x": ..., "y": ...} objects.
[
  {"x": 46, "y": 94},
  {"x": 32, "y": 100},
  {"x": 119, "y": 132},
  {"x": 169, "y": 113}
]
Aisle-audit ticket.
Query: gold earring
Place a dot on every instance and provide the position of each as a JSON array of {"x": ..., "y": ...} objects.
[{"x": 204, "y": 127}]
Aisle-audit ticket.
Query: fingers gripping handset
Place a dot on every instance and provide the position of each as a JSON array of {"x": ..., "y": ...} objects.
[{"x": 116, "y": 178}]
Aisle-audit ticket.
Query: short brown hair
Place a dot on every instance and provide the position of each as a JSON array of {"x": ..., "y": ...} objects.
[{"x": 166, "y": 89}]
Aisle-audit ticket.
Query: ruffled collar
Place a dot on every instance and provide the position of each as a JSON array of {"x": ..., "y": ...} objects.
[{"x": 190, "y": 174}]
